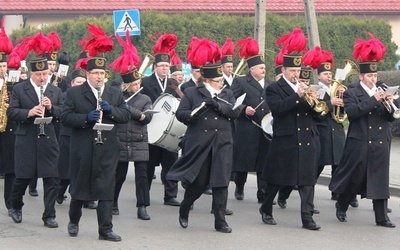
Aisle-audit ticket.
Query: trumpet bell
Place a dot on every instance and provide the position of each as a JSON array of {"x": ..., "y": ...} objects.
[
  {"x": 147, "y": 61},
  {"x": 240, "y": 67}
]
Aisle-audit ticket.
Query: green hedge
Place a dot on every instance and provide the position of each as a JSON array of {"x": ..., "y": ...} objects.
[{"x": 336, "y": 33}]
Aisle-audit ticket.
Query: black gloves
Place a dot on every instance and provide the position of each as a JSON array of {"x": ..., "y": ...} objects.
[
  {"x": 211, "y": 102},
  {"x": 105, "y": 107},
  {"x": 93, "y": 116}
]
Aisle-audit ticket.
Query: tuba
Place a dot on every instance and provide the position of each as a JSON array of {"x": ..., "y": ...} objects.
[
  {"x": 147, "y": 61},
  {"x": 3, "y": 105},
  {"x": 337, "y": 87},
  {"x": 240, "y": 67}
]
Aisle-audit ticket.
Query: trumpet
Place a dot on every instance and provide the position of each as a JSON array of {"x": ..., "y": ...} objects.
[
  {"x": 240, "y": 67},
  {"x": 147, "y": 61},
  {"x": 319, "y": 106},
  {"x": 389, "y": 105},
  {"x": 41, "y": 125}
]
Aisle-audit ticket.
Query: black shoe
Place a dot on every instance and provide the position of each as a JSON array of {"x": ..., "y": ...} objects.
[
  {"x": 267, "y": 219},
  {"x": 65, "y": 196},
  {"x": 386, "y": 223},
  {"x": 183, "y": 222},
  {"x": 282, "y": 203},
  {"x": 354, "y": 202},
  {"x": 10, "y": 211},
  {"x": 73, "y": 229},
  {"x": 115, "y": 210},
  {"x": 227, "y": 212},
  {"x": 388, "y": 210},
  {"x": 16, "y": 215},
  {"x": 142, "y": 213},
  {"x": 191, "y": 207},
  {"x": 340, "y": 214},
  {"x": 315, "y": 211},
  {"x": 33, "y": 193},
  {"x": 90, "y": 205},
  {"x": 50, "y": 223},
  {"x": 110, "y": 236},
  {"x": 239, "y": 194},
  {"x": 172, "y": 202},
  {"x": 224, "y": 229},
  {"x": 60, "y": 199},
  {"x": 208, "y": 191},
  {"x": 311, "y": 225},
  {"x": 154, "y": 176}
]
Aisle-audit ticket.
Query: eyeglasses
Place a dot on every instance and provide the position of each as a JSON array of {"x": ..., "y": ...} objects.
[{"x": 218, "y": 81}]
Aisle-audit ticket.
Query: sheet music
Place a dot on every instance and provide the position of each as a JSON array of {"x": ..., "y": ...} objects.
[
  {"x": 239, "y": 101},
  {"x": 13, "y": 75},
  {"x": 392, "y": 89}
]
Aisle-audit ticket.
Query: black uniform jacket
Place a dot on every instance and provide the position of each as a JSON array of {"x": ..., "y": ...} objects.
[
  {"x": 93, "y": 166},
  {"x": 152, "y": 89},
  {"x": 294, "y": 149},
  {"x": 34, "y": 156},
  {"x": 364, "y": 167},
  {"x": 332, "y": 137},
  {"x": 250, "y": 145},
  {"x": 209, "y": 133}
]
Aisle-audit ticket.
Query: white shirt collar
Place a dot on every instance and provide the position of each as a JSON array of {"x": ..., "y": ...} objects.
[
  {"x": 369, "y": 91},
  {"x": 37, "y": 88},
  {"x": 229, "y": 78},
  {"x": 96, "y": 91},
  {"x": 210, "y": 89},
  {"x": 293, "y": 86}
]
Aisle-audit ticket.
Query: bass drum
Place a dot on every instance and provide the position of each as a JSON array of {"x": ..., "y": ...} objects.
[
  {"x": 165, "y": 130},
  {"x": 266, "y": 124}
]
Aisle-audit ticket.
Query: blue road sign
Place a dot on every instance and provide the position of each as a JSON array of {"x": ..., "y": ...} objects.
[{"x": 127, "y": 20}]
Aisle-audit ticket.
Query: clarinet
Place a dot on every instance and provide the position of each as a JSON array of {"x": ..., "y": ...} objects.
[
  {"x": 99, "y": 140},
  {"x": 41, "y": 125}
]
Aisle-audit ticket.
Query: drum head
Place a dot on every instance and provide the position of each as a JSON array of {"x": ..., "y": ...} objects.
[
  {"x": 266, "y": 123},
  {"x": 167, "y": 105}
]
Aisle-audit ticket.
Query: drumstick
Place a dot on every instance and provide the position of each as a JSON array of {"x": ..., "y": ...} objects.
[{"x": 259, "y": 104}]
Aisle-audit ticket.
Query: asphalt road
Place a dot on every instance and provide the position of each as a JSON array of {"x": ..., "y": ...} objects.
[{"x": 163, "y": 230}]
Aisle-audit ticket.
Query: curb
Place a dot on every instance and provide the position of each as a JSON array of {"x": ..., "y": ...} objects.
[{"x": 393, "y": 190}]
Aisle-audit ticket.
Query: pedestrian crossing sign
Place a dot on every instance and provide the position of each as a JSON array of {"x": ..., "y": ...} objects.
[{"x": 127, "y": 20}]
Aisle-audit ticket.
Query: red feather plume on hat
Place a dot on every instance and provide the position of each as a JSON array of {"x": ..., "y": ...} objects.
[
  {"x": 328, "y": 55},
  {"x": 14, "y": 61},
  {"x": 279, "y": 57},
  {"x": 129, "y": 58},
  {"x": 6, "y": 45},
  {"x": 193, "y": 43},
  {"x": 175, "y": 59},
  {"x": 41, "y": 44},
  {"x": 228, "y": 48},
  {"x": 295, "y": 41},
  {"x": 56, "y": 40},
  {"x": 165, "y": 43},
  {"x": 97, "y": 41},
  {"x": 203, "y": 52},
  {"x": 314, "y": 57},
  {"x": 369, "y": 50},
  {"x": 247, "y": 47},
  {"x": 81, "y": 63}
]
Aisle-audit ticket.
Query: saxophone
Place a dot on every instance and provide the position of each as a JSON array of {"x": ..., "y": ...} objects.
[{"x": 3, "y": 104}]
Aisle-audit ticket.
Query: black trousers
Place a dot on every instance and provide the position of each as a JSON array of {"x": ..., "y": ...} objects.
[
  {"x": 62, "y": 187},
  {"x": 306, "y": 196},
  {"x": 167, "y": 159},
  {"x": 241, "y": 178},
  {"x": 104, "y": 214},
  {"x": 141, "y": 182},
  {"x": 50, "y": 186},
  {"x": 284, "y": 193},
  {"x": 9, "y": 180},
  {"x": 33, "y": 184},
  {"x": 379, "y": 205},
  {"x": 195, "y": 190}
]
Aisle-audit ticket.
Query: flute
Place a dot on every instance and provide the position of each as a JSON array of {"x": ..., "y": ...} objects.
[{"x": 137, "y": 92}]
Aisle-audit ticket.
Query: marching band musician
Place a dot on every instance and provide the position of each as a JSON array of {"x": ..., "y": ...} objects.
[
  {"x": 133, "y": 135},
  {"x": 227, "y": 51},
  {"x": 35, "y": 156},
  {"x": 78, "y": 77},
  {"x": 176, "y": 68},
  {"x": 331, "y": 132},
  {"x": 93, "y": 166},
  {"x": 208, "y": 144},
  {"x": 248, "y": 136},
  {"x": 364, "y": 167},
  {"x": 154, "y": 86},
  {"x": 293, "y": 152}
]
